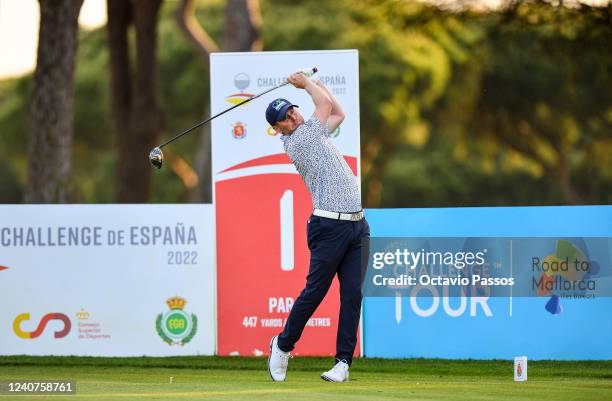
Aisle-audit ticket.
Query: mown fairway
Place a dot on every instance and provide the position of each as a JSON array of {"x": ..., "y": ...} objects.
[{"x": 216, "y": 378}]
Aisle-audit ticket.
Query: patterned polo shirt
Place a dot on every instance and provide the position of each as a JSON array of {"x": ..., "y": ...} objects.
[{"x": 331, "y": 183}]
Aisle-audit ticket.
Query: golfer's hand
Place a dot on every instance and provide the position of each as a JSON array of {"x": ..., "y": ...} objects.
[{"x": 299, "y": 80}]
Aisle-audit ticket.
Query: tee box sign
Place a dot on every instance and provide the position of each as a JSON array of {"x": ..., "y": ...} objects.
[{"x": 261, "y": 202}]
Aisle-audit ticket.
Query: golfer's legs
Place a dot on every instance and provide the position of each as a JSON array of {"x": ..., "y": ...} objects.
[
  {"x": 328, "y": 241},
  {"x": 350, "y": 274},
  {"x": 319, "y": 279}
]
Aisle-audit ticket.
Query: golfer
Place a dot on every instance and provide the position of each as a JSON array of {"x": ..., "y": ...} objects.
[{"x": 338, "y": 235}]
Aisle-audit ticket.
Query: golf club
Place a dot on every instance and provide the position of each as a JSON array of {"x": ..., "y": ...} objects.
[{"x": 156, "y": 156}]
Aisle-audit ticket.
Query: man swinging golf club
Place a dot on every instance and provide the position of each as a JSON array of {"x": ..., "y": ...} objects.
[{"x": 337, "y": 233}]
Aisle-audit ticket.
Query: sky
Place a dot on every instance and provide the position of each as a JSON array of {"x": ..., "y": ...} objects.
[{"x": 19, "y": 32}]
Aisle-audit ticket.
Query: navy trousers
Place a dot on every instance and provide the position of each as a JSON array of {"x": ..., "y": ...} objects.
[{"x": 336, "y": 247}]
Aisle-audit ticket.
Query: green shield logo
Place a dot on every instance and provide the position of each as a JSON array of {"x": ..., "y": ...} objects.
[{"x": 175, "y": 326}]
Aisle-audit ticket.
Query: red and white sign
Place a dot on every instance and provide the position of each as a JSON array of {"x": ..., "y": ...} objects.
[{"x": 261, "y": 202}]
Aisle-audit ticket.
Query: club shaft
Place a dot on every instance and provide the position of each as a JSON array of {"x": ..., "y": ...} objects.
[
  {"x": 218, "y": 114},
  {"x": 314, "y": 70}
]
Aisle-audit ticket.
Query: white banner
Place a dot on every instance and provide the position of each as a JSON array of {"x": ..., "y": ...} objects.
[
  {"x": 107, "y": 280},
  {"x": 243, "y": 134}
]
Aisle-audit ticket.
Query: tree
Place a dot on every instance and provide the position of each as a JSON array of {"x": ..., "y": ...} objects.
[
  {"x": 242, "y": 33},
  {"x": 136, "y": 113},
  {"x": 406, "y": 67},
  {"x": 51, "y": 118},
  {"x": 467, "y": 108},
  {"x": 554, "y": 116}
]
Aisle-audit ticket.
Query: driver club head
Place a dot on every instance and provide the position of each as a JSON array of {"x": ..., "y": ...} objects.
[{"x": 156, "y": 157}]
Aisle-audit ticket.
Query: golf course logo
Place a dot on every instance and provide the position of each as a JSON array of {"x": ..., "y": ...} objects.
[{"x": 175, "y": 326}]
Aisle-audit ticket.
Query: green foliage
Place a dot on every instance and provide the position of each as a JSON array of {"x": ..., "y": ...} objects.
[
  {"x": 547, "y": 96},
  {"x": 510, "y": 107},
  {"x": 14, "y": 109}
]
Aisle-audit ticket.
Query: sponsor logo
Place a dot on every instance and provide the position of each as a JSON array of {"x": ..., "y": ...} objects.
[
  {"x": 175, "y": 326},
  {"x": 41, "y": 325},
  {"x": 239, "y": 130},
  {"x": 241, "y": 82},
  {"x": 567, "y": 263},
  {"x": 88, "y": 329}
]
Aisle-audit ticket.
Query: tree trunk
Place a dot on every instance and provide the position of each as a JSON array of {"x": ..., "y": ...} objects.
[
  {"x": 119, "y": 19},
  {"x": 135, "y": 108},
  {"x": 51, "y": 124},
  {"x": 242, "y": 33},
  {"x": 242, "y": 26}
]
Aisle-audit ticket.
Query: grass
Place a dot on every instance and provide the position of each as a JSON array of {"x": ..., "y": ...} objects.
[{"x": 219, "y": 378}]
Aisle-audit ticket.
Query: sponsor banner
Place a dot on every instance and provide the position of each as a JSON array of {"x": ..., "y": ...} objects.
[
  {"x": 262, "y": 204},
  {"x": 107, "y": 280},
  {"x": 548, "y": 325}
]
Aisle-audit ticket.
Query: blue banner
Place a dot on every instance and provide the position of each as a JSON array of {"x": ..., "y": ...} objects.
[{"x": 544, "y": 327}]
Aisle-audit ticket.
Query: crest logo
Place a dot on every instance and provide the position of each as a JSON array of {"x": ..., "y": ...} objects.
[
  {"x": 239, "y": 130},
  {"x": 175, "y": 326}
]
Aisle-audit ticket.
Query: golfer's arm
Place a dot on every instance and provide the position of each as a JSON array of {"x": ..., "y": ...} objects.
[
  {"x": 337, "y": 113},
  {"x": 322, "y": 102}
]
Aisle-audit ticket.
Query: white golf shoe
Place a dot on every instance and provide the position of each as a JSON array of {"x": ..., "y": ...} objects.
[
  {"x": 339, "y": 373},
  {"x": 277, "y": 361}
]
